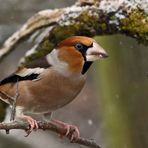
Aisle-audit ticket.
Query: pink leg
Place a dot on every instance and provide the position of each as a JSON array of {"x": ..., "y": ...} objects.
[
  {"x": 32, "y": 123},
  {"x": 72, "y": 132}
]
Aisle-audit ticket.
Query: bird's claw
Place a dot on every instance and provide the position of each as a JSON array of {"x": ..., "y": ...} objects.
[
  {"x": 72, "y": 132},
  {"x": 33, "y": 125},
  {"x": 27, "y": 133}
]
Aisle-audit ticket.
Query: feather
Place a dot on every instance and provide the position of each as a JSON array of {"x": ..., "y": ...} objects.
[
  {"x": 23, "y": 74},
  {"x": 86, "y": 67}
]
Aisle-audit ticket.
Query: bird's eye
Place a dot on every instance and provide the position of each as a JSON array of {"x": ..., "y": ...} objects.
[{"x": 79, "y": 46}]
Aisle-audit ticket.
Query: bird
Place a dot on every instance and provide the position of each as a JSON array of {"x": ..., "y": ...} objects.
[{"x": 44, "y": 90}]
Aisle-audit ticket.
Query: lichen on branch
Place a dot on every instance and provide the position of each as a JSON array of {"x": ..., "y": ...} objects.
[
  {"x": 85, "y": 17},
  {"x": 136, "y": 25}
]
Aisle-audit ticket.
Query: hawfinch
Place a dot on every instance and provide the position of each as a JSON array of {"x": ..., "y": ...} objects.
[{"x": 44, "y": 90}]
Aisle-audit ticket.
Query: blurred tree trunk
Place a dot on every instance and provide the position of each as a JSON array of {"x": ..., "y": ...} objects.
[{"x": 123, "y": 84}]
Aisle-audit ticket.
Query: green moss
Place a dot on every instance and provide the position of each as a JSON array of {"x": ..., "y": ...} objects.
[
  {"x": 90, "y": 25},
  {"x": 61, "y": 32},
  {"x": 81, "y": 26},
  {"x": 44, "y": 48},
  {"x": 137, "y": 25},
  {"x": 103, "y": 26},
  {"x": 85, "y": 24}
]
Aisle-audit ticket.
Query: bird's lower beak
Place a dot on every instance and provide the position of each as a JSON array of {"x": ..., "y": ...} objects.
[{"x": 96, "y": 52}]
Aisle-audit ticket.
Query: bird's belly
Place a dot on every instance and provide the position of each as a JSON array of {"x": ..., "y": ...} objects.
[
  {"x": 48, "y": 99},
  {"x": 50, "y": 103}
]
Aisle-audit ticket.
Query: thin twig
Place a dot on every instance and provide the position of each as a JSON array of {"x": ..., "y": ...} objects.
[
  {"x": 12, "y": 117},
  {"x": 48, "y": 126}
]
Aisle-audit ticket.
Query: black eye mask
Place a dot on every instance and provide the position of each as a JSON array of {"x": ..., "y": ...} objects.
[{"x": 83, "y": 48}]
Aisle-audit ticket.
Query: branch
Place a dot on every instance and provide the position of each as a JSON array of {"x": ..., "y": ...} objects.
[
  {"x": 13, "y": 111},
  {"x": 39, "y": 20},
  {"x": 86, "y": 17},
  {"x": 47, "y": 126}
]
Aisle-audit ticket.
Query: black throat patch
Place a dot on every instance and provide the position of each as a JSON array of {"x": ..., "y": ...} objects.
[
  {"x": 83, "y": 49},
  {"x": 86, "y": 66}
]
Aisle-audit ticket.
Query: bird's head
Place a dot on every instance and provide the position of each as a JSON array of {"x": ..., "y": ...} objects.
[{"x": 77, "y": 52}]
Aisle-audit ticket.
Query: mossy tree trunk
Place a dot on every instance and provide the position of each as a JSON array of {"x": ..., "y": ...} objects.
[{"x": 123, "y": 83}]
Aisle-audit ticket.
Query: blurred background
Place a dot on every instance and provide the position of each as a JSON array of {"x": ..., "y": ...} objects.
[{"x": 113, "y": 106}]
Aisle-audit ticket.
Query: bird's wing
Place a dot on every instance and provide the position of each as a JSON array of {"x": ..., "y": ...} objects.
[
  {"x": 41, "y": 62},
  {"x": 23, "y": 74}
]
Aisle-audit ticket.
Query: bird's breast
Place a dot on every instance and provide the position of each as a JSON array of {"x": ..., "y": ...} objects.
[{"x": 52, "y": 92}]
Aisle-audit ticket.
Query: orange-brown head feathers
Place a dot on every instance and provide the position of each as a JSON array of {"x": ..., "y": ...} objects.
[
  {"x": 76, "y": 53},
  {"x": 71, "y": 41}
]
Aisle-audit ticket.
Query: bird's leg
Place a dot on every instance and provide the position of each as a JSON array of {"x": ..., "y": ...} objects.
[
  {"x": 72, "y": 131},
  {"x": 13, "y": 111},
  {"x": 33, "y": 125}
]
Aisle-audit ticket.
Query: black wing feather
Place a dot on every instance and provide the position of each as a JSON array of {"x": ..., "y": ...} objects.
[{"x": 13, "y": 78}]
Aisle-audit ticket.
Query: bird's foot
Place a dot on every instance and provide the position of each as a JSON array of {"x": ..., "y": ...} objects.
[
  {"x": 72, "y": 131},
  {"x": 33, "y": 125}
]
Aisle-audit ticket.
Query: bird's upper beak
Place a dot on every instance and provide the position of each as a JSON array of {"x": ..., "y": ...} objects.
[{"x": 95, "y": 52}]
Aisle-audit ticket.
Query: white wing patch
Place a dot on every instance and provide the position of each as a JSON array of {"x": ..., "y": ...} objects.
[{"x": 29, "y": 71}]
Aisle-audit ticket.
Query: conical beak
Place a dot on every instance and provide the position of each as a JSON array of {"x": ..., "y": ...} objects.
[{"x": 95, "y": 52}]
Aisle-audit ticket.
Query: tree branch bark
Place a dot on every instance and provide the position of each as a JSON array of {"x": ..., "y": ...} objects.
[
  {"x": 86, "y": 17},
  {"x": 47, "y": 126}
]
